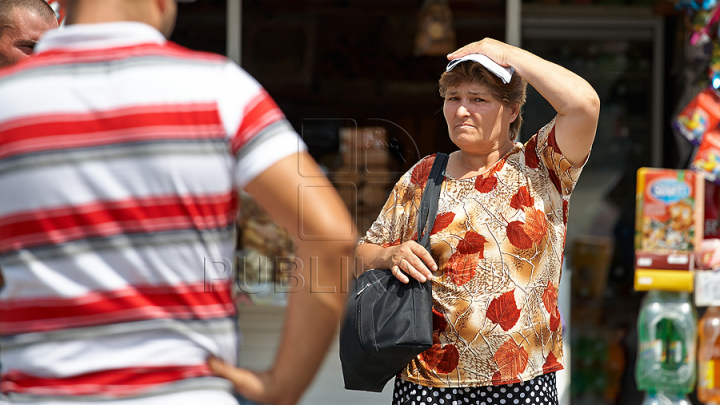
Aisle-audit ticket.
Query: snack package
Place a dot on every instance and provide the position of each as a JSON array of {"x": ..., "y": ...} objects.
[
  {"x": 699, "y": 116},
  {"x": 707, "y": 156},
  {"x": 670, "y": 210},
  {"x": 708, "y": 257}
]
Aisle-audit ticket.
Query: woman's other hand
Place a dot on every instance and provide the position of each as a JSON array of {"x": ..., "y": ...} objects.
[
  {"x": 411, "y": 259},
  {"x": 492, "y": 48},
  {"x": 408, "y": 259}
]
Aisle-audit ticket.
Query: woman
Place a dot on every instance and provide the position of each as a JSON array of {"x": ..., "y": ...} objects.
[{"x": 498, "y": 239}]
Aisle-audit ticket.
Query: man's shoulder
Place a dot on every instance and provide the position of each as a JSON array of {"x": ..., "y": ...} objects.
[{"x": 181, "y": 51}]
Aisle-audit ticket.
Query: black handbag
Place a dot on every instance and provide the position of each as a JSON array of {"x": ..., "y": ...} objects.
[{"x": 388, "y": 323}]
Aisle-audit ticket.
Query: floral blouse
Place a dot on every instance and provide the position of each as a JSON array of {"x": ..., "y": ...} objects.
[{"x": 498, "y": 240}]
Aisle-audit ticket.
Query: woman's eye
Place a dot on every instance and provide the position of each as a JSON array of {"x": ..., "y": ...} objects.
[{"x": 479, "y": 100}]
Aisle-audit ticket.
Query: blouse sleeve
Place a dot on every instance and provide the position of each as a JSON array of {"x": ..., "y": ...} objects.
[
  {"x": 547, "y": 153},
  {"x": 396, "y": 222}
]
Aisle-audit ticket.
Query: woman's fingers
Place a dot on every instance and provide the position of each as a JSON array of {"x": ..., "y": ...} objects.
[
  {"x": 399, "y": 274},
  {"x": 493, "y": 49},
  {"x": 424, "y": 260},
  {"x": 413, "y": 260}
]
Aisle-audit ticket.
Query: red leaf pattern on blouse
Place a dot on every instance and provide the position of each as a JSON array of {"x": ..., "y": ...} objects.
[
  {"x": 552, "y": 141},
  {"x": 555, "y": 180},
  {"x": 551, "y": 364},
  {"x": 522, "y": 199},
  {"x": 511, "y": 360},
  {"x": 485, "y": 184},
  {"x": 517, "y": 236},
  {"x": 442, "y": 221},
  {"x": 565, "y": 211},
  {"x": 439, "y": 322},
  {"x": 550, "y": 300},
  {"x": 531, "y": 157},
  {"x": 461, "y": 268},
  {"x": 421, "y": 172},
  {"x": 503, "y": 310},
  {"x": 497, "y": 166},
  {"x": 472, "y": 243},
  {"x": 535, "y": 224},
  {"x": 443, "y": 359},
  {"x": 393, "y": 243},
  {"x": 497, "y": 378},
  {"x": 554, "y": 322}
]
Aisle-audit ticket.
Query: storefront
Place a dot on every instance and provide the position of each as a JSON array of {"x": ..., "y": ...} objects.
[{"x": 335, "y": 66}]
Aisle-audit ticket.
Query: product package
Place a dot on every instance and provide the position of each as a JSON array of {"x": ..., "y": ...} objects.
[
  {"x": 668, "y": 228},
  {"x": 670, "y": 210},
  {"x": 699, "y": 116},
  {"x": 707, "y": 157}
]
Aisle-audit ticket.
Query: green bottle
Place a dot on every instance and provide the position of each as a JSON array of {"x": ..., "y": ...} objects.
[{"x": 667, "y": 333}]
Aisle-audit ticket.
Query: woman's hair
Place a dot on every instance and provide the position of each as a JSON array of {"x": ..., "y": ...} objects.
[{"x": 511, "y": 94}]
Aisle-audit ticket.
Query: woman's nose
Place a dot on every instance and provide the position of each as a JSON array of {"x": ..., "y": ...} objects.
[{"x": 462, "y": 111}]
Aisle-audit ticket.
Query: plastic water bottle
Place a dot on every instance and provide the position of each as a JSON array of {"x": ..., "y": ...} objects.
[
  {"x": 662, "y": 398},
  {"x": 708, "y": 389},
  {"x": 667, "y": 329}
]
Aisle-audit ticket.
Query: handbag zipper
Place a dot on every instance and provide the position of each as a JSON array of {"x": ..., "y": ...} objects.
[{"x": 363, "y": 289}]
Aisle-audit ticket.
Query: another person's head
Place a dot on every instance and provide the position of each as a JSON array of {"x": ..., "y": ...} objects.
[
  {"x": 22, "y": 23},
  {"x": 160, "y": 14},
  {"x": 512, "y": 95}
]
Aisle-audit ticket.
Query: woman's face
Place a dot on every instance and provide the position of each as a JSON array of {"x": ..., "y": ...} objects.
[{"x": 477, "y": 122}]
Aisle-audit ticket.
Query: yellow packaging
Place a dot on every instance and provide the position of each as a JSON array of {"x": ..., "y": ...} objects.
[{"x": 664, "y": 280}]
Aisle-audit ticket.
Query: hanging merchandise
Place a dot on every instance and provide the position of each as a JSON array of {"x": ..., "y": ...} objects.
[
  {"x": 714, "y": 68},
  {"x": 436, "y": 35},
  {"x": 699, "y": 116},
  {"x": 707, "y": 156},
  {"x": 708, "y": 389},
  {"x": 703, "y": 23},
  {"x": 696, "y": 4},
  {"x": 666, "y": 343},
  {"x": 661, "y": 398}
]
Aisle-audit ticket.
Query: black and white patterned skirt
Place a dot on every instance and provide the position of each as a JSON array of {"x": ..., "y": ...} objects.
[{"x": 539, "y": 390}]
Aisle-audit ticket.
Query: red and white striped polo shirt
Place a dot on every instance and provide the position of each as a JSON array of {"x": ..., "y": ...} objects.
[{"x": 120, "y": 158}]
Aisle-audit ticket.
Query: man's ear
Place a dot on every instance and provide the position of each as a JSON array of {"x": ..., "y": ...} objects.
[{"x": 162, "y": 4}]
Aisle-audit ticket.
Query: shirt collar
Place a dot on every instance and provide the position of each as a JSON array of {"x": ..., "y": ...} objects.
[{"x": 99, "y": 36}]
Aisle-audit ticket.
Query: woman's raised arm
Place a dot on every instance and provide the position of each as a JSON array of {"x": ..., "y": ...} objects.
[{"x": 575, "y": 101}]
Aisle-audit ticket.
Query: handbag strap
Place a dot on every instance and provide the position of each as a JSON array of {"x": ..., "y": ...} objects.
[{"x": 429, "y": 201}]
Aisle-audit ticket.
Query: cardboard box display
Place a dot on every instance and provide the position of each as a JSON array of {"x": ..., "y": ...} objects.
[
  {"x": 669, "y": 210},
  {"x": 665, "y": 280},
  {"x": 664, "y": 261}
]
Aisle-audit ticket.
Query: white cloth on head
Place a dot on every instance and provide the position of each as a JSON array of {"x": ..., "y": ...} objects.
[{"x": 504, "y": 73}]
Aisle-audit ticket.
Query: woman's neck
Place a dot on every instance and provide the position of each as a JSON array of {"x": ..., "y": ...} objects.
[{"x": 463, "y": 165}]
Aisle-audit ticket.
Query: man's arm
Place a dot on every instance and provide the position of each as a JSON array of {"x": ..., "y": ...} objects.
[{"x": 309, "y": 208}]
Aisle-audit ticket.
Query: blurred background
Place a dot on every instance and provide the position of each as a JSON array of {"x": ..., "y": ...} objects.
[{"x": 358, "y": 81}]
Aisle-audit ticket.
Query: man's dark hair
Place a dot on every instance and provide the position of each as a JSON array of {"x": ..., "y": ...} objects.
[{"x": 7, "y": 7}]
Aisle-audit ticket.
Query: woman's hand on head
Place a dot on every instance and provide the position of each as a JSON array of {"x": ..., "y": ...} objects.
[
  {"x": 492, "y": 48},
  {"x": 410, "y": 259}
]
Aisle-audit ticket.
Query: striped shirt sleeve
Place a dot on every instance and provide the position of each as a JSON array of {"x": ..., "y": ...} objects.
[{"x": 260, "y": 134}]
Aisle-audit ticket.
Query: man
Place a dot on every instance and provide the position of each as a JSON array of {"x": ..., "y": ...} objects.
[
  {"x": 117, "y": 216},
  {"x": 22, "y": 22}
]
